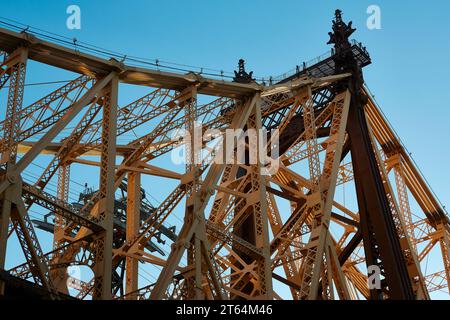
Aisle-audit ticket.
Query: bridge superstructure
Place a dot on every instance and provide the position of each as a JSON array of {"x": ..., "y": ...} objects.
[{"x": 236, "y": 237}]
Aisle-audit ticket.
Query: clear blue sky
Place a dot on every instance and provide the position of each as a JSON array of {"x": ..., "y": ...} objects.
[{"x": 409, "y": 74}]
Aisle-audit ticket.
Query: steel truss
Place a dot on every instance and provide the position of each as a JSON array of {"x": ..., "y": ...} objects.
[{"x": 236, "y": 237}]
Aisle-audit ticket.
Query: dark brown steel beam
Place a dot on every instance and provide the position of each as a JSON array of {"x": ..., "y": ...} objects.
[{"x": 381, "y": 243}]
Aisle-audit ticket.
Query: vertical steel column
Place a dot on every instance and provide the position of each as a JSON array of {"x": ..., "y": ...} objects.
[
  {"x": 62, "y": 194},
  {"x": 103, "y": 243},
  {"x": 134, "y": 199},
  {"x": 261, "y": 217},
  {"x": 194, "y": 255},
  {"x": 8, "y": 157}
]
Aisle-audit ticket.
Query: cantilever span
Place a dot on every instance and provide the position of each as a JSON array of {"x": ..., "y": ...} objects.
[{"x": 220, "y": 230}]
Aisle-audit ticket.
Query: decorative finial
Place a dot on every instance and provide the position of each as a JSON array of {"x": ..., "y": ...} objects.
[
  {"x": 341, "y": 33},
  {"x": 343, "y": 55},
  {"x": 338, "y": 15},
  {"x": 241, "y": 75}
]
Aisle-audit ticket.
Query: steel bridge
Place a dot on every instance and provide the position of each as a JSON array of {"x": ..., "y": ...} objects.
[{"x": 244, "y": 233}]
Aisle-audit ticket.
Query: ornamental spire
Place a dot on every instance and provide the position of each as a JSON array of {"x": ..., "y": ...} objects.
[
  {"x": 241, "y": 75},
  {"x": 341, "y": 33}
]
